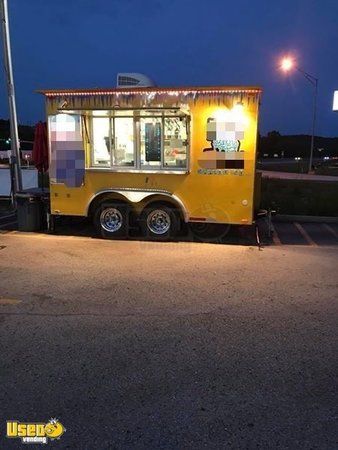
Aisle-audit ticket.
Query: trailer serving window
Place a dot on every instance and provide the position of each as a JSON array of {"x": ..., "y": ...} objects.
[
  {"x": 113, "y": 142},
  {"x": 175, "y": 141},
  {"x": 140, "y": 139},
  {"x": 123, "y": 147},
  {"x": 101, "y": 131}
]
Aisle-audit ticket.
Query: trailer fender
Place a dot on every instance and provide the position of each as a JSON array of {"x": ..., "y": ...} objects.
[{"x": 137, "y": 195}]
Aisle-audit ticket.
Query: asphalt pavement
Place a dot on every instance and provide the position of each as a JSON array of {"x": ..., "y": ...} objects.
[
  {"x": 140, "y": 345},
  {"x": 288, "y": 232}
]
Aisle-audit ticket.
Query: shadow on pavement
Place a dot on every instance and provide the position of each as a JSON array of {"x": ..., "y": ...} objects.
[
  {"x": 79, "y": 226},
  {"x": 285, "y": 233}
]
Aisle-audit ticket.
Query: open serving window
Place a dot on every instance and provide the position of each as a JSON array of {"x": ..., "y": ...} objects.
[{"x": 143, "y": 139}]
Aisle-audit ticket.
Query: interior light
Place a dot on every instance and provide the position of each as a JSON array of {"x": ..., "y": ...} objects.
[
  {"x": 222, "y": 115},
  {"x": 238, "y": 108}
]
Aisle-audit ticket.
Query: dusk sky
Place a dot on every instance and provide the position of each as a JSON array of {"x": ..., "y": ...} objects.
[{"x": 84, "y": 43}]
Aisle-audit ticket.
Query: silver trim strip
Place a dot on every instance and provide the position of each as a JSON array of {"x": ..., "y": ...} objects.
[{"x": 126, "y": 170}]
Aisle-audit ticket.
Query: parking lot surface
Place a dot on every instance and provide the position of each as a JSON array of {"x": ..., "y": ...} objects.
[
  {"x": 134, "y": 344},
  {"x": 284, "y": 233}
]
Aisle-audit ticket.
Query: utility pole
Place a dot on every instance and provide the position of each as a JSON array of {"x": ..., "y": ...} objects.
[
  {"x": 288, "y": 64},
  {"x": 314, "y": 113},
  {"x": 314, "y": 81},
  {"x": 15, "y": 143}
]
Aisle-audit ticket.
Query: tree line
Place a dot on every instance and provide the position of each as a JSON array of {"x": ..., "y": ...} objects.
[
  {"x": 274, "y": 143},
  {"x": 291, "y": 146}
]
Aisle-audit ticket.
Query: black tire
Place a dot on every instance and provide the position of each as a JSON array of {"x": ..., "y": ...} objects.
[
  {"x": 159, "y": 222},
  {"x": 111, "y": 219}
]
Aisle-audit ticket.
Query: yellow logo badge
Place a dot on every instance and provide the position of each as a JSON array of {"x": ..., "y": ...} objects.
[{"x": 35, "y": 433}]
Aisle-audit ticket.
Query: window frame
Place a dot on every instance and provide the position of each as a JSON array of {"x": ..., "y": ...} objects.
[{"x": 137, "y": 167}]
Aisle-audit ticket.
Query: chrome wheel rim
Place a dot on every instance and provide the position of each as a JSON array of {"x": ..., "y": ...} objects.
[
  {"x": 158, "y": 221},
  {"x": 111, "y": 220}
]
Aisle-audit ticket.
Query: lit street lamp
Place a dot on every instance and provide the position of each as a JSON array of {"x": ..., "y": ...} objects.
[{"x": 288, "y": 64}]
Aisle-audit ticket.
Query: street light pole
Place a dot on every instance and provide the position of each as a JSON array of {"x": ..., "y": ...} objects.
[
  {"x": 15, "y": 143},
  {"x": 314, "y": 81},
  {"x": 288, "y": 64}
]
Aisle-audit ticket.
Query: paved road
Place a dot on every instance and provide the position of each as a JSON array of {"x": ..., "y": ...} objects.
[{"x": 139, "y": 345}]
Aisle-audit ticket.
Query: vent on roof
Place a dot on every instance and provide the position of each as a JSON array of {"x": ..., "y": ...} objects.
[{"x": 133, "y": 80}]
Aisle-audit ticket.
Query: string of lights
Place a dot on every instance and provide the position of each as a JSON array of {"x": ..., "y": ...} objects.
[{"x": 150, "y": 91}]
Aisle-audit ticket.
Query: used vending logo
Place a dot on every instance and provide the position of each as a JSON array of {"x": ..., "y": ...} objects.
[{"x": 33, "y": 432}]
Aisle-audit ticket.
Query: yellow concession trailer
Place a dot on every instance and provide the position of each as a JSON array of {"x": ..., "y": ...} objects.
[{"x": 158, "y": 156}]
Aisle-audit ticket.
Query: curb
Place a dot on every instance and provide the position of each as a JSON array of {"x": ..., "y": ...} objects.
[{"x": 299, "y": 218}]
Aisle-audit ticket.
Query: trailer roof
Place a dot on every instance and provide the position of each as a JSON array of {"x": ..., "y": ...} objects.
[{"x": 146, "y": 90}]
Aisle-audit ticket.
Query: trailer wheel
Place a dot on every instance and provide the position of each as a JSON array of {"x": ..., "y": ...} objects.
[
  {"x": 159, "y": 222},
  {"x": 111, "y": 220}
]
